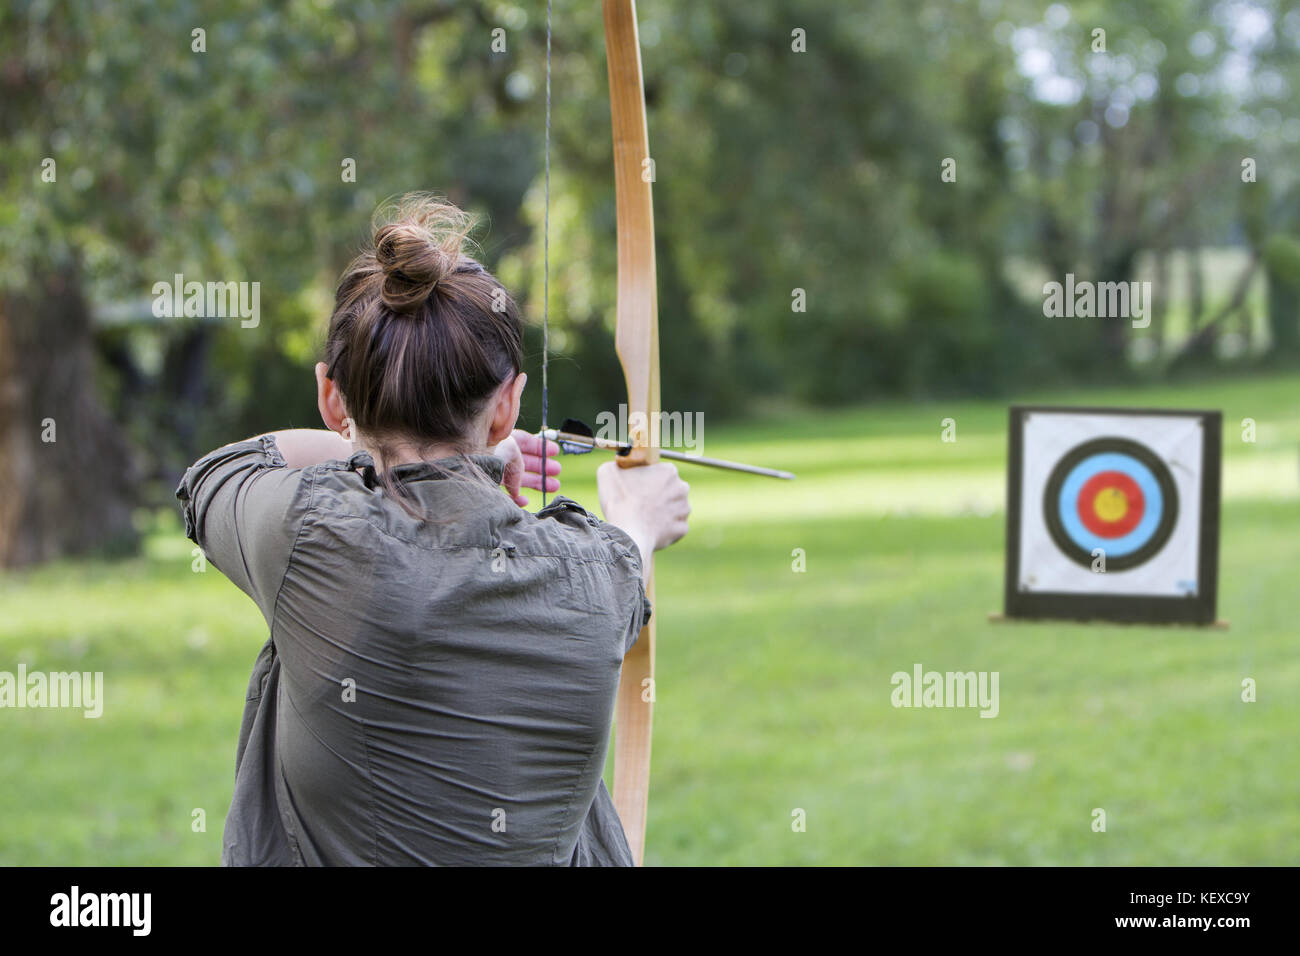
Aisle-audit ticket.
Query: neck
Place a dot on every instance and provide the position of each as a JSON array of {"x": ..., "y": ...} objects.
[{"x": 406, "y": 453}]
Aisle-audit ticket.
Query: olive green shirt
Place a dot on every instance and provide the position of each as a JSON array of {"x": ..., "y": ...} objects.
[{"x": 434, "y": 691}]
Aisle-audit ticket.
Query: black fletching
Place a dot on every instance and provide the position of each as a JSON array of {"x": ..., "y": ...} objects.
[{"x": 574, "y": 427}]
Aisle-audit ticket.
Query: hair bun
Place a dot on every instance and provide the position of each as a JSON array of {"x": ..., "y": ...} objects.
[{"x": 417, "y": 248}]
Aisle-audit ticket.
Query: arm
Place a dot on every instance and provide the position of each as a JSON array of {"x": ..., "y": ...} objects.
[
  {"x": 238, "y": 503},
  {"x": 304, "y": 447}
]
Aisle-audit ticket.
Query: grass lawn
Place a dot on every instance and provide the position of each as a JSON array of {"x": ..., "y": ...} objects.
[{"x": 774, "y": 686}]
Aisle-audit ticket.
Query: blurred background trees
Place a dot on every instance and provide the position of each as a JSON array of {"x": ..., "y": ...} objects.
[{"x": 1115, "y": 156}]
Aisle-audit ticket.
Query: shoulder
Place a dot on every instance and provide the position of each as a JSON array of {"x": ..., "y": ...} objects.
[
  {"x": 583, "y": 526},
  {"x": 608, "y": 546},
  {"x": 242, "y": 456},
  {"x": 241, "y": 474}
]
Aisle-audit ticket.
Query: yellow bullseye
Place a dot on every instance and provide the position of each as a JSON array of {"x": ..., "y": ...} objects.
[{"x": 1111, "y": 504}]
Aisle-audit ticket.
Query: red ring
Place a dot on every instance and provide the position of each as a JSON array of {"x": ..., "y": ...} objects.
[{"x": 1094, "y": 486}]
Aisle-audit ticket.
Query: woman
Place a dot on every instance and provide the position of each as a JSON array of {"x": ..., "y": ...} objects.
[{"x": 439, "y": 683}]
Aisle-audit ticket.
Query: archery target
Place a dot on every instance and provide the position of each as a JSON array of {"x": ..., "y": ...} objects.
[
  {"x": 1124, "y": 488},
  {"x": 1110, "y": 496}
]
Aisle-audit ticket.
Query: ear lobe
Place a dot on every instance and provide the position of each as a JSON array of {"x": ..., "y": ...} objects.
[
  {"x": 505, "y": 414},
  {"x": 329, "y": 401}
]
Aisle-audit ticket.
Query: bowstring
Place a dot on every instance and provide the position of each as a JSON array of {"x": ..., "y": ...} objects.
[{"x": 546, "y": 256}]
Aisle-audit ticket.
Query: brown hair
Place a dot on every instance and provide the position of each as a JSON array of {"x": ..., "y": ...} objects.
[{"x": 421, "y": 335}]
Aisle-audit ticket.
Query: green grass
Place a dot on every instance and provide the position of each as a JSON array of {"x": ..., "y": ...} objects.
[{"x": 773, "y": 690}]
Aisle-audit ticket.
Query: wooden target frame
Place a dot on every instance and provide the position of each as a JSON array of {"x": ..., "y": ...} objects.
[{"x": 1098, "y": 599}]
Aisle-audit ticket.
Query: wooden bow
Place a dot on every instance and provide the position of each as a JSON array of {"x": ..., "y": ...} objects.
[{"x": 636, "y": 339}]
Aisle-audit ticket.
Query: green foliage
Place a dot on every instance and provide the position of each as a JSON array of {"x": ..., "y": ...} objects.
[
  {"x": 1282, "y": 259},
  {"x": 776, "y": 170},
  {"x": 1282, "y": 265}
]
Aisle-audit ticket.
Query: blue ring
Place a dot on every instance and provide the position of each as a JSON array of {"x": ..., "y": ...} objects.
[{"x": 1067, "y": 504}]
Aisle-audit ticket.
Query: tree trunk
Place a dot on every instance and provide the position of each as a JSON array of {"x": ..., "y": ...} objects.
[
  {"x": 1284, "y": 314},
  {"x": 1116, "y": 267},
  {"x": 66, "y": 483},
  {"x": 1195, "y": 289},
  {"x": 1160, "y": 305},
  {"x": 1200, "y": 345}
]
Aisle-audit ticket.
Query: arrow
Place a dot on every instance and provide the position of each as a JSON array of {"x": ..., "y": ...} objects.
[{"x": 576, "y": 438}]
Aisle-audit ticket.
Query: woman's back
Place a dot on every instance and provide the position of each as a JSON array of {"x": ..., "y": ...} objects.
[{"x": 414, "y": 719}]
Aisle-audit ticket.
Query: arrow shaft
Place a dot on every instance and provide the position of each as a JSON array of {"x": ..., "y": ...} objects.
[
  {"x": 729, "y": 465},
  {"x": 606, "y": 444}
]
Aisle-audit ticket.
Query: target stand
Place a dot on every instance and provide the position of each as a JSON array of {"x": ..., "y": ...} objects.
[{"x": 1113, "y": 514}]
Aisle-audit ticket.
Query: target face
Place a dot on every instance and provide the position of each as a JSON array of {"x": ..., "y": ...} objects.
[
  {"x": 1113, "y": 514},
  {"x": 1113, "y": 498}
]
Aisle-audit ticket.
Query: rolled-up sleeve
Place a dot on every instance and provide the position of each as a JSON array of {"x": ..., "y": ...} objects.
[{"x": 238, "y": 504}]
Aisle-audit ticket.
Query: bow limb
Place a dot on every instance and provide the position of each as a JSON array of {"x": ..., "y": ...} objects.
[{"x": 636, "y": 339}]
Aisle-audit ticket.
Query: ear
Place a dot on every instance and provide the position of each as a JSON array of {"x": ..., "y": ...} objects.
[
  {"x": 329, "y": 400},
  {"x": 505, "y": 413}
]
